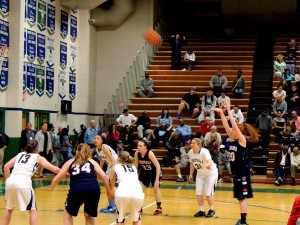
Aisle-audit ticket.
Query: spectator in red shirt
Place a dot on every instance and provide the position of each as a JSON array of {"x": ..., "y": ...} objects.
[
  {"x": 112, "y": 136},
  {"x": 295, "y": 122},
  {"x": 205, "y": 125}
]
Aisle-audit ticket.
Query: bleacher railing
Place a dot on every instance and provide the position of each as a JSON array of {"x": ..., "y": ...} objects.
[{"x": 130, "y": 81}]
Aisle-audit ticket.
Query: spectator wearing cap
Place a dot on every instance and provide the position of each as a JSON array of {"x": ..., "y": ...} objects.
[
  {"x": 146, "y": 87},
  {"x": 218, "y": 83},
  {"x": 208, "y": 103},
  {"x": 143, "y": 126},
  {"x": 190, "y": 102},
  {"x": 119, "y": 148},
  {"x": 182, "y": 160},
  {"x": 126, "y": 119},
  {"x": 184, "y": 131},
  {"x": 224, "y": 163},
  {"x": 160, "y": 133}
]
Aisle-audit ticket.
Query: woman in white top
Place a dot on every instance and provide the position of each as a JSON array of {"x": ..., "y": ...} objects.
[
  {"x": 108, "y": 156},
  {"x": 18, "y": 185},
  {"x": 129, "y": 195},
  {"x": 207, "y": 175},
  {"x": 279, "y": 66},
  {"x": 279, "y": 93}
]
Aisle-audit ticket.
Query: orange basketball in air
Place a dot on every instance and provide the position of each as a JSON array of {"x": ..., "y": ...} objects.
[{"x": 152, "y": 37}]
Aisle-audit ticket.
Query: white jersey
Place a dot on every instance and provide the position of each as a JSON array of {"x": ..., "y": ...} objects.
[
  {"x": 25, "y": 164},
  {"x": 199, "y": 161},
  {"x": 104, "y": 157},
  {"x": 129, "y": 185}
]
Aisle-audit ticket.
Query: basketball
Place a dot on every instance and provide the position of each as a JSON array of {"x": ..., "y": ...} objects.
[{"x": 152, "y": 37}]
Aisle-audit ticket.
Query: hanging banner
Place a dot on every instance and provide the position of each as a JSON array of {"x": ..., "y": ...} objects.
[
  {"x": 73, "y": 28},
  {"x": 64, "y": 24},
  {"x": 31, "y": 45},
  {"x": 41, "y": 51},
  {"x": 31, "y": 12},
  {"x": 25, "y": 36},
  {"x": 30, "y": 78},
  {"x": 49, "y": 81},
  {"x": 51, "y": 19},
  {"x": 63, "y": 55},
  {"x": 73, "y": 58},
  {"x": 41, "y": 18},
  {"x": 4, "y": 74},
  {"x": 4, "y": 8},
  {"x": 24, "y": 76},
  {"x": 4, "y": 33},
  {"x": 62, "y": 84},
  {"x": 50, "y": 52},
  {"x": 40, "y": 80},
  {"x": 72, "y": 85}
]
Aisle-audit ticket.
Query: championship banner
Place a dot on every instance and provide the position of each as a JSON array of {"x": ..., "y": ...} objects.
[
  {"x": 50, "y": 52},
  {"x": 62, "y": 84},
  {"x": 4, "y": 8},
  {"x": 30, "y": 78},
  {"x": 4, "y": 33},
  {"x": 73, "y": 28},
  {"x": 73, "y": 59},
  {"x": 4, "y": 75},
  {"x": 31, "y": 45},
  {"x": 24, "y": 76},
  {"x": 41, "y": 18},
  {"x": 63, "y": 55},
  {"x": 41, "y": 51},
  {"x": 64, "y": 24},
  {"x": 31, "y": 12},
  {"x": 40, "y": 80},
  {"x": 72, "y": 85},
  {"x": 49, "y": 81},
  {"x": 51, "y": 19}
]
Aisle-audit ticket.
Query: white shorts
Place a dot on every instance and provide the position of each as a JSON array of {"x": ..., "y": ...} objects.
[
  {"x": 206, "y": 185},
  {"x": 17, "y": 191},
  {"x": 133, "y": 205}
]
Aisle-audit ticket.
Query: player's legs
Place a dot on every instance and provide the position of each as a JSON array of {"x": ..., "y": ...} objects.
[
  {"x": 243, "y": 209},
  {"x": 200, "y": 199},
  {"x": 111, "y": 208},
  {"x": 210, "y": 182},
  {"x": 135, "y": 206},
  {"x": 33, "y": 217},
  {"x": 7, "y": 216},
  {"x": 89, "y": 220},
  {"x": 68, "y": 219}
]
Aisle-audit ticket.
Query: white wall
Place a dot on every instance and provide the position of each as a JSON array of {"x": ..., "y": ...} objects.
[{"x": 116, "y": 49}]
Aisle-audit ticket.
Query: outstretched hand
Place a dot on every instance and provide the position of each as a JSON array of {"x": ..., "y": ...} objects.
[
  {"x": 218, "y": 111},
  {"x": 228, "y": 105}
]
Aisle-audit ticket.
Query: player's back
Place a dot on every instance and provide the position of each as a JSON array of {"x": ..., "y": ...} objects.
[{"x": 25, "y": 165}]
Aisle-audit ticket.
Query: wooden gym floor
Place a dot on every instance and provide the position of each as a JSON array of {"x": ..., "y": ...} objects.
[{"x": 270, "y": 205}]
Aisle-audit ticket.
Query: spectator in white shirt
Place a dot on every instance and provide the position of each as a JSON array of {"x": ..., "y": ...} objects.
[
  {"x": 279, "y": 94},
  {"x": 126, "y": 119},
  {"x": 295, "y": 164},
  {"x": 237, "y": 114},
  {"x": 222, "y": 102},
  {"x": 189, "y": 58}
]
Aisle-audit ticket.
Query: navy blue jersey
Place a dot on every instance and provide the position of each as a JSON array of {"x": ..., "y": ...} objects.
[
  {"x": 145, "y": 164},
  {"x": 83, "y": 177},
  {"x": 238, "y": 159}
]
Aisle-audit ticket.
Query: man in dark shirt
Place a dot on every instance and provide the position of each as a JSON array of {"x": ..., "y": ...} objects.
[
  {"x": 27, "y": 135},
  {"x": 160, "y": 134},
  {"x": 190, "y": 102},
  {"x": 143, "y": 125},
  {"x": 176, "y": 44}
]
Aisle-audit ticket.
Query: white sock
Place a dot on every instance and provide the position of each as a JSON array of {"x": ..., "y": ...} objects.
[
  {"x": 202, "y": 208},
  {"x": 211, "y": 207},
  {"x": 179, "y": 175}
]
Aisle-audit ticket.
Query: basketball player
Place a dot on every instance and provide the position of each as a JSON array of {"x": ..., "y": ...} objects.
[
  {"x": 129, "y": 194},
  {"x": 239, "y": 160},
  {"x": 84, "y": 187},
  {"x": 145, "y": 160},
  {"x": 18, "y": 185},
  {"x": 207, "y": 176},
  {"x": 106, "y": 155}
]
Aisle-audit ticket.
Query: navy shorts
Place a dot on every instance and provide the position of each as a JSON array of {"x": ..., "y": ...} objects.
[
  {"x": 242, "y": 187},
  {"x": 89, "y": 198},
  {"x": 147, "y": 178}
]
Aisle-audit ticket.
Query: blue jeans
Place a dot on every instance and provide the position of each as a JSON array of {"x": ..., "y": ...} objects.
[{"x": 238, "y": 92}]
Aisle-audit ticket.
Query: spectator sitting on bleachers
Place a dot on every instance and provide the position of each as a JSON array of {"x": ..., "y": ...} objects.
[
  {"x": 290, "y": 62},
  {"x": 279, "y": 66},
  {"x": 279, "y": 125},
  {"x": 205, "y": 125},
  {"x": 189, "y": 58},
  {"x": 295, "y": 164},
  {"x": 222, "y": 102},
  {"x": 208, "y": 103},
  {"x": 293, "y": 99},
  {"x": 214, "y": 154},
  {"x": 160, "y": 134},
  {"x": 112, "y": 136},
  {"x": 264, "y": 125},
  {"x": 281, "y": 164},
  {"x": 190, "y": 102},
  {"x": 184, "y": 131},
  {"x": 292, "y": 48},
  {"x": 126, "y": 119},
  {"x": 295, "y": 133},
  {"x": 182, "y": 161},
  {"x": 127, "y": 138},
  {"x": 286, "y": 79},
  {"x": 165, "y": 115},
  {"x": 218, "y": 83},
  {"x": 223, "y": 163},
  {"x": 279, "y": 93},
  {"x": 238, "y": 85},
  {"x": 237, "y": 114},
  {"x": 213, "y": 138},
  {"x": 279, "y": 105},
  {"x": 297, "y": 78},
  {"x": 146, "y": 86},
  {"x": 287, "y": 139},
  {"x": 295, "y": 121},
  {"x": 173, "y": 146},
  {"x": 143, "y": 126}
]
